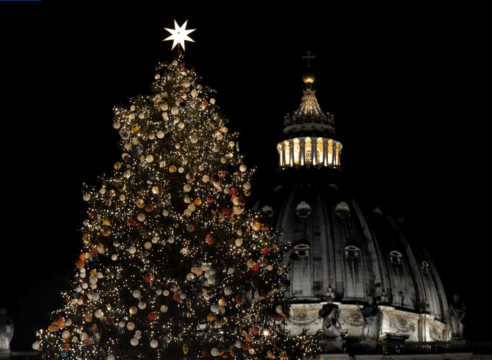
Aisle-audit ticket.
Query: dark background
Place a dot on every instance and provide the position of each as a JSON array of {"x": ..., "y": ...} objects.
[{"x": 407, "y": 87}]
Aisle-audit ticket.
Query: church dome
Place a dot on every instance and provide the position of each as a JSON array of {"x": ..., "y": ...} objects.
[{"x": 347, "y": 252}]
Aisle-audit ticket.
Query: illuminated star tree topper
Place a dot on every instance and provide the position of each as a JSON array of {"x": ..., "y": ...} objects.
[{"x": 179, "y": 34}]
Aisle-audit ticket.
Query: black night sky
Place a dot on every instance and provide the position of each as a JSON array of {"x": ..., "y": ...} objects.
[{"x": 406, "y": 86}]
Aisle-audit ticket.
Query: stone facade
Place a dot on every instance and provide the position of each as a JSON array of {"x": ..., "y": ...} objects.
[{"x": 418, "y": 327}]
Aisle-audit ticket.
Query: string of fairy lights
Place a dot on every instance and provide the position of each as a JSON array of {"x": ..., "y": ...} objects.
[{"x": 172, "y": 264}]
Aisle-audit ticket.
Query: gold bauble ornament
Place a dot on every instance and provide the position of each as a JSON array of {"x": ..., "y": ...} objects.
[
  {"x": 173, "y": 169},
  {"x": 140, "y": 203}
]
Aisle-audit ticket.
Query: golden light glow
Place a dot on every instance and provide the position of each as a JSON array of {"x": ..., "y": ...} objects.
[
  {"x": 337, "y": 154},
  {"x": 319, "y": 150},
  {"x": 297, "y": 151},
  {"x": 179, "y": 35},
  {"x": 287, "y": 152},
  {"x": 330, "y": 152},
  {"x": 308, "y": 151},
  {"x": 280, "y": 153}
]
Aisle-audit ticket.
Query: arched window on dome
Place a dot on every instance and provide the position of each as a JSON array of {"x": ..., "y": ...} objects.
[
  {"x": 302, "y": 250},
  {"x": 425, "y": 267},
  {"x": 395, "y": 257},
  {"x": 309, "y": 151},
  {"x": 352, "y": 252},
  {"x": 402, "y": 298},
  {"x": 301, "y": 277}
]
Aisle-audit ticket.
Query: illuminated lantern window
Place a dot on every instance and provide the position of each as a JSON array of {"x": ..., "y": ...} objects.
[
  {"x": 281, "y": 159},
  {"x": 330, "y": 152},
  {"x": 287, "y": 152},
  {"x": 308, "y": 151},
  {"x": 337, "y": 154},
  {"x": 297, "y": 151},
  {"x": 395, "y": 257},
  {"x": 319, "y": 151}
]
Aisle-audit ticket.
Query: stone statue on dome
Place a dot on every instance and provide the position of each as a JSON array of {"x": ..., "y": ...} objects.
[
  {"x": 6, "y": 330},
  {"x": 457, "y": 320},
  {"x": 373, "y": 317},
  {"x": 331, "y": 325}
]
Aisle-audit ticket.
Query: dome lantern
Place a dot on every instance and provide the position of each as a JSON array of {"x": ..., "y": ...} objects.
[{"x": 309, "y": 133}]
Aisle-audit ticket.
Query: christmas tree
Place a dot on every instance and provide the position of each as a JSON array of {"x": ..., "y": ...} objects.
[{"x": 173, "y": 265}]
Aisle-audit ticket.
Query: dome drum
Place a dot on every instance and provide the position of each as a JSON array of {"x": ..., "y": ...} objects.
[{"x": 309, "y": 151}]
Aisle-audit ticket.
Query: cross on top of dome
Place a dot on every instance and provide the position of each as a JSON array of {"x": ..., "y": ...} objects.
[{"x": 308, "y": 57}]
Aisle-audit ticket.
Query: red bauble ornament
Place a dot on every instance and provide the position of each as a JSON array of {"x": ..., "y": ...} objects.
[
  {"x": 152, "y": 316},
  {"x": 80, "y": 264},
  {"x": 130, "y": 222},
  {"x": 177, "y": 296},
  {"x": 255, "y": 267},
  {"x": 149, "y": 277},
  {"x": 221, "y": 173},
  {"x": 227, "y": 212},
  {"x": 210, "y": 199},
  {"x": 197, "y": 202},
  {"x": 255, "y": 330},
  {"x": 205, "y": 102},
  {"x": 209, "y": 239},
  {"x": 234, "y": 192},
  {"x": 265, "y": 251},
  {"x": 149, "y": 208},
  {"x": 109, "y": 320}
]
